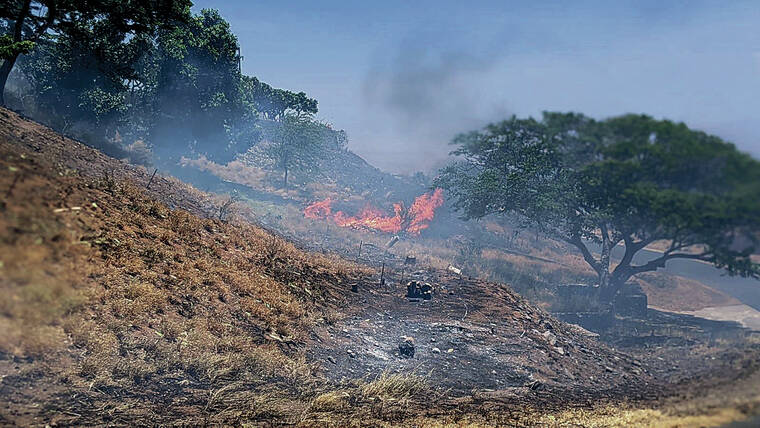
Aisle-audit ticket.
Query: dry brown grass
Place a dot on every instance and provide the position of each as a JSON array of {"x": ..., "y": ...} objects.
[
  {"x": 111, "y": 290},
  {"x": 398, "y": 387}
]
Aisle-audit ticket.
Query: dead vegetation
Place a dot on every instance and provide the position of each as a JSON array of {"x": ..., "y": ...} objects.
[{"x": 111, "y": 292}]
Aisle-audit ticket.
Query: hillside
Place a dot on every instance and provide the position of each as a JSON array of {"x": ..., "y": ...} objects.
[
  {"x": 112, "y": 294},
  {"x": 114, "y": 301},
  {"x": 129, "y": 304},
  {"x": 337, "y": 172},
  {"x": 494, "y": 249}
]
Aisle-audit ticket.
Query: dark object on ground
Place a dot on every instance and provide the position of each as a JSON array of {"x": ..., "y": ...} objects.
[
  {"x": 419, "y": 290},
  {"x": 410, "y": 260},
  {"x": 536, "y": 386},
  {"x": 406, "y": 347}
]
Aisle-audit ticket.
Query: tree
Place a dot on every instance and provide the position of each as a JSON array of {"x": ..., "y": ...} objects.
[
  {"x": 31, "y": 21},
  {"x": 193, "y": 95},
  {"x": 296, "y": 142},
  {"x": 628, "y": 180},
  {"x": 84, "y": 75},
  {"x": 273, "y": 103}
]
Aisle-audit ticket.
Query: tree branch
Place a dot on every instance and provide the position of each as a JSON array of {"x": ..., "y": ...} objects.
[
  {"x": 18, "y": 26},
  {"x": 578, "y": 243},
  {"x": 51, "y": 12},
  {"x": 659, "y": 262},
  {"x": 631, "y": 248}
]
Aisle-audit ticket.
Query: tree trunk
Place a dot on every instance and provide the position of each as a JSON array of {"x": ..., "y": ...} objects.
[
  {"x": 608, "y": 293},
  {"x": 5, "y": 71},
  {"x": 18, "y": 33},
  {"x": 286, "y": 178}
]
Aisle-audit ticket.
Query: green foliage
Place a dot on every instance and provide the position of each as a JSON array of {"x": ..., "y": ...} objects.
[
  {"x": 193, "y": 94},
  {"x": 83, "y": 75},
  {"x": 628, "y": 180},
  {"x": 10, "y": 49},
  {"x": 146, "y": 71},
  {"x": 296, "y": 142},
  {"x": 273, "y": 103}
]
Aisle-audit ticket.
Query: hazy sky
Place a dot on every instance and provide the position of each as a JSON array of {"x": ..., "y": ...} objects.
[{"x": 402, "y": 77}]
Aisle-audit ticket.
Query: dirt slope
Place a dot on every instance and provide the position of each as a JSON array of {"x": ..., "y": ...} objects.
[{"x": 471, "y": 335}]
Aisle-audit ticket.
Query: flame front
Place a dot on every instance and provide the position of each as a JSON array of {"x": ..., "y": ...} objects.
[{"x": 413, "y": 220}]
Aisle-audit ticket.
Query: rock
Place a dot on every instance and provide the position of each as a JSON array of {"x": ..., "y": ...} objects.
[
  {"x": 332, "y": 360},
  {"x": 535, "y": 385},
  {"x": 406, "y": 347},
  {"x": 550, "y": 337},
  {"x": 560, "y": 350},
  {"x": 454, "y": 269},
  {"x": 582, "y": 331},
  {"x": 450, "y": 350},
  {"x": 350, "y": 353},
  {"x": 435, "y": 351}
]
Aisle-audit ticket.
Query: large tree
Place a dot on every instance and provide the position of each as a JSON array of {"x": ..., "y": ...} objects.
[
  {"x": 194, "y": 95},
  {"x": 179, "y": 87},
  {"x": 272, "y": 103},
  {"x": 629, "y": 180},
  {"x": 296, "y": 141},
  {"x": 30, "y": 21}
]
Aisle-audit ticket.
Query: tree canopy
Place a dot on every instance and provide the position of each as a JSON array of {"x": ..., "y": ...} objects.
[
  {"x": 141, "y": 71},
  {"x": 296, "y": 142},
  {"x": 31, "y": 21},
  {"x": 629, "y": 180},
  {"x": 272, "y": 103}
]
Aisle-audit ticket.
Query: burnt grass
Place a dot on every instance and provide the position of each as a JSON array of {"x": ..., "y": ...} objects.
[
  {"x": 123, "y": 305},
  {"x": 472, "y": 335}
]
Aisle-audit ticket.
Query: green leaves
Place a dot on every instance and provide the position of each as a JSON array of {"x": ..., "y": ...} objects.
[
  {"x": 637, "y": 178},
  {"x": 10, "y": 49}
]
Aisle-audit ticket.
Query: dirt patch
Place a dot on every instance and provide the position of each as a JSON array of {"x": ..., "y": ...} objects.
[{"x": 471, "y": 335}]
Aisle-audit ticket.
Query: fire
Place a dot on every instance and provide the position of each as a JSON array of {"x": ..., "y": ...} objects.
[
  {"x": 423, "y": 210},
  {"x": 412, "y": 220}
]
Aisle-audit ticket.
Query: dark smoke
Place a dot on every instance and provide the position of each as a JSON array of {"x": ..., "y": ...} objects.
[{"x": 429, "y": 91}]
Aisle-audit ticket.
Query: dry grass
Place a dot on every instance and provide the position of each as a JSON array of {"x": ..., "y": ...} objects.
[
  {"x": 616, "y": 417},
  {"x": 398, "y": 387},
  {"x": 111, "y": 290}
]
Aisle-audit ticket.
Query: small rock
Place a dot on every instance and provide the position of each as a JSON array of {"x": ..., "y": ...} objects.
[
  {"x": 550, "y": 337},
  {"x": 450, "y": 350},
  {"x": 535, "y": 385},
  {"x": 331, "y": 359},
  {"x": 406, "y": 347},
  {"x": 436, "y": 351},
  {"x": 350, "y": 353},
  {"x": 560, "y": 350}
]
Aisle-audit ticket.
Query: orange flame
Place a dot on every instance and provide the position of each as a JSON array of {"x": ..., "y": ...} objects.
[
  {"x": 423, "y": 211},
  {"x": 413, "y": 220}
]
